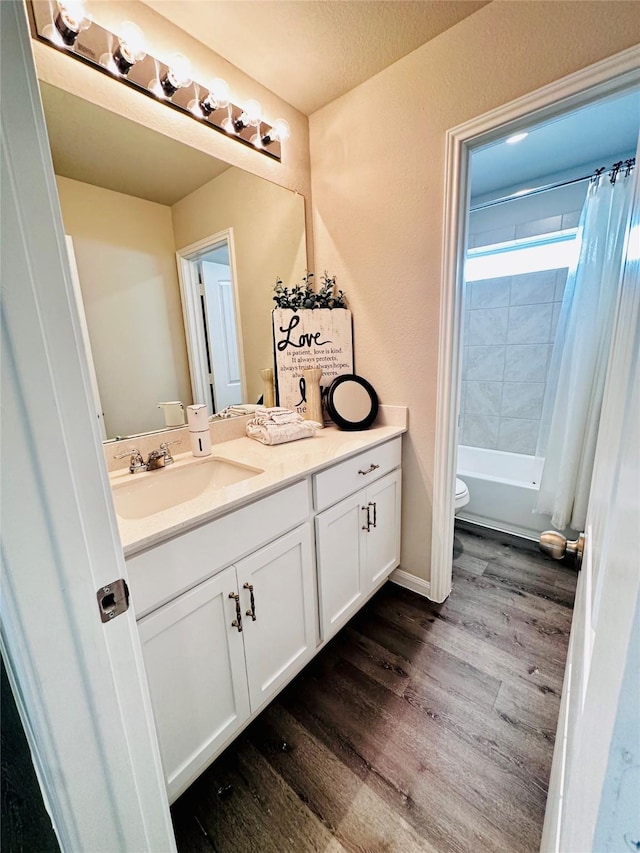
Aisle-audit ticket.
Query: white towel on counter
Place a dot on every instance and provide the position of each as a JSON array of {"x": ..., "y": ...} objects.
[
  {"x": 276, "y": 415},
  {"x": 235, "y": 410},
  {"x": 278, "y": 426}
]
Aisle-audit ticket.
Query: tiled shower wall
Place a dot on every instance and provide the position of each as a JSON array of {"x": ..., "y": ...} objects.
[{"x": 508, "y": 334}]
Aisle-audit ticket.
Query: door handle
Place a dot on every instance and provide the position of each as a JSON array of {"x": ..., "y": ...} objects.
[
  {"x": 367, "y": 526},
  {"x": 252, "y": 611},
  {"x": 372, "y": 467},
  {"x": 374, "y": 523},
  {"x": 237, "y": 622},
  {"x": 557, "y": 546}
]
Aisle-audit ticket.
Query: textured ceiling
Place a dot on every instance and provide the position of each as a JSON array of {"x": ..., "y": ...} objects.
[{"x": 310, "y": 52}]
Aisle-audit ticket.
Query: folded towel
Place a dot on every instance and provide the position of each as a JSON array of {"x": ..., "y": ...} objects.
[
  {"x": 235, "y": 410},
  {"x": 223, "y": 413},
  {"x": 286, "y": 417},
  {"x": 273, "y": 433},
  {"x": 276, "y": 415}
]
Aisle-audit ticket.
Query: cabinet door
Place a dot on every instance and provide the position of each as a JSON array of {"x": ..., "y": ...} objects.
[
  {"x": 195, "y": 667},
  {"x": 282, "y": 637},
  {"x": 340, "y": 542},
  {"x": 382, "y": 541}
]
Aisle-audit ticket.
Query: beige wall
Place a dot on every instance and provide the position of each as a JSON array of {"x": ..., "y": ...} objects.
[
  {"x": 377, "y": 158},
  {"x": 125, "y": 254},
  {"x": 163, "y": 39},
  {"x": 269, "y": 240}
]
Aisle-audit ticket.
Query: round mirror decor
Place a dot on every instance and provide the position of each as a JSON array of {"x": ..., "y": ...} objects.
[{"x": 352, "y": 403}]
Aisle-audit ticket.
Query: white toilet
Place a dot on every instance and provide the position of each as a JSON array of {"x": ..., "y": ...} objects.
[{"x": 462, "y": 495}]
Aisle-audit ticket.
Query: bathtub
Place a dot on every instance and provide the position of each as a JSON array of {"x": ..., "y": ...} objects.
[{"x": 503, "y": 488}]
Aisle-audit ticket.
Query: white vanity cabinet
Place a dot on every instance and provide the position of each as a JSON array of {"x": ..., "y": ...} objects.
[
  {"x": 282, "y": 637},
  {"x": 210, "y": 664},
  {"x": 195, "y": 666},
  {"x": 228, "y": 610},
  {"x": 358, "y": 538}
]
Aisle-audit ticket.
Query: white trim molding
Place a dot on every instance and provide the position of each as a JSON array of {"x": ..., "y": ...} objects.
[
  {"x": 415, "y": 584},
  {"x": 604, "y": 78}
]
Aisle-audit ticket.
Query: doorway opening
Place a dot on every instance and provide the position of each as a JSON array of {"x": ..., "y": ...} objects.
[
  {"x": 208, "y": 287},
  {"x": 604, "y": 81},
  {"x": 527, "y": 192}
]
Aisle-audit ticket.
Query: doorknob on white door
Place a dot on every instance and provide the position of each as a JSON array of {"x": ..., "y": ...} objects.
[{"x": 557, "y": 546}]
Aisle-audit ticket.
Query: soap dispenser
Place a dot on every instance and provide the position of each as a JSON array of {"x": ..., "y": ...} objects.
[{"x": 198, "y": 420}]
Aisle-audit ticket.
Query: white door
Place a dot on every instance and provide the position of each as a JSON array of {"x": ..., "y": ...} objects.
[
  {"x": 382, "y": 540},
  {"x": 587, "y": 793},
  {"x": 281, "y": 638},
  {"x": 195, "y": 665},
  {"x": 341, "y": 581},
  {"x": 222, "y": 334},
  {"x": 79, "y": 683}
]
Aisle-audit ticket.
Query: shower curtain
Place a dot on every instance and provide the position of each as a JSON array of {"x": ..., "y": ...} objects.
[{"x": 575, "y": 385}]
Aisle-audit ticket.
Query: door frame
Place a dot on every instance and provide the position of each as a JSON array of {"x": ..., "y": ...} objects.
[
  {"x": 606, "y": 77},
  {"x": 187, "y": 259}
]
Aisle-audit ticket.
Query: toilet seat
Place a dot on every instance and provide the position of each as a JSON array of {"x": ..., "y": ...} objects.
[{"x": 462, "y": 494}]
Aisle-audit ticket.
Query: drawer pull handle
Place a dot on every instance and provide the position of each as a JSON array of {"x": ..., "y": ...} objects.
[
  {"x": 372, "y": 467},
  {"x": 237, "y": 622},
  {"x": 375, "y": 513},
  {"x": 367, "y": 526},
  {"x": 251, "y": 612}
]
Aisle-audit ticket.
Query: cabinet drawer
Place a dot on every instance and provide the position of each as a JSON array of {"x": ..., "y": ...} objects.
[
  {"x": 163, "y": 572},
  {"x": 347, "y": 477}
]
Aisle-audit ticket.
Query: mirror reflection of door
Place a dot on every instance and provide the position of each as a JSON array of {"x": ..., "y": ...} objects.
[
  {"x": 208, "y": 287},
  {"x": 84, "y": 331},
  {"x": 220, "y": 329}
]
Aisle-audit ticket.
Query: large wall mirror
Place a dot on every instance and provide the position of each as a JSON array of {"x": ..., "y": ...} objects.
[{"x": 131, "y": 199}]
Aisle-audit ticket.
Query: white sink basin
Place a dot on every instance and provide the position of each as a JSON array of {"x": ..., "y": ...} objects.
[{"x": 156, "y": 491}]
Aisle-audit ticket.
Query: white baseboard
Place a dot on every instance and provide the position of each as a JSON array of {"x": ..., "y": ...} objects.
[{"x": 411, "y": 582}]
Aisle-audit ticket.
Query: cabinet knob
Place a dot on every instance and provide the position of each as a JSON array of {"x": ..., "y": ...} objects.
[
  {"x": 375, "y": 513},
  {"x": 367, "y": 526}
]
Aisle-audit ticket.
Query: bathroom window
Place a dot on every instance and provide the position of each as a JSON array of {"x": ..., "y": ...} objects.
[{"x": 528, "y": 255}]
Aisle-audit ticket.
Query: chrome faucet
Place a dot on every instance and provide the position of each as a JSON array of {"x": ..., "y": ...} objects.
[
  {"x": 159, "y": 458},
  {"x": 162, "y": 457},
  {"x": 136, "y": 462}
]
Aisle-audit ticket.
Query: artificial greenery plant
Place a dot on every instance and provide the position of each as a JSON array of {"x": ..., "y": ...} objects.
[{"x": 304, "y": 296}]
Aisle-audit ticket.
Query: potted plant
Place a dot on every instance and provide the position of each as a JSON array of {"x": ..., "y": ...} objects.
[
  {"x": 303, "y": 295},
  {"x": 311, "y": 329}
]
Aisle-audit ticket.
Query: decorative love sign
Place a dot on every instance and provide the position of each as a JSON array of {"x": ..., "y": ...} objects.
[{"x": 317, "y": 337}]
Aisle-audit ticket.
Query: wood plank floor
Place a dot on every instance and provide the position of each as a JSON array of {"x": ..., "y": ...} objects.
[{"x": 420, "y": 727}]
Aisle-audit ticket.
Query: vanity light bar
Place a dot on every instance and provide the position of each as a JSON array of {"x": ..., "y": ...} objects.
[{"x": 67, "y": 26}]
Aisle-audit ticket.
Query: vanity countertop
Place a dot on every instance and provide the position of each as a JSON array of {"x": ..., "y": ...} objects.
[{"x": 281, "y": 464}]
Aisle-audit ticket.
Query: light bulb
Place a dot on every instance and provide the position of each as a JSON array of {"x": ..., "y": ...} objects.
[
  {"x": 72, "y": 19},
  {"x": 281, "y": 129},
  {"x": 252, "y": 114},
  {"x": 219, "y": 90},
  {"x": 178, "y": 75},
  {"x": 132, "y": 47},
  {"x": 229, "y": 125},
  {"x": 280, "y": 132},
  {"x": 218, "y": 97}
]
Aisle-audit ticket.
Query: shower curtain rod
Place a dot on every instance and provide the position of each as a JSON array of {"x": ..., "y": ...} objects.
[{"x": 615, "y": 169}]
